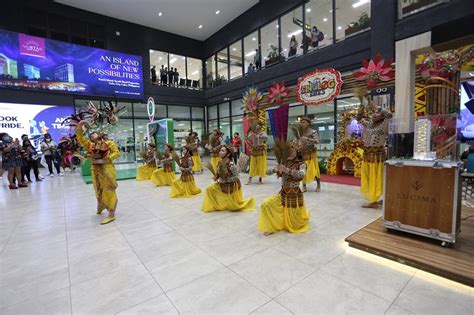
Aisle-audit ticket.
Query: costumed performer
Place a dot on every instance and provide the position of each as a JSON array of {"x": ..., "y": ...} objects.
[
  {"x": 258, "y": 153},
  {"x": 226, "y": 192},
  {"x": 145, "y": 171},
  {"x": 215, "y": 144},
  {"x": 101, "y": 152},
  {"x": 286, "y": 210},
  {"x": 194, "y": 144},
  {"x": 308, "y": 140},
  {"x": 185, "y": 186},
  {"x": 164, "y": 176},
  {"x": 375, "y": 138}
]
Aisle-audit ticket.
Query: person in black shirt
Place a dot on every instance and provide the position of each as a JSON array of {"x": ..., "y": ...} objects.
[
  {"x": 162, "y": 75},
  {"x": 170, "y": 77},
  {"x": 176, "y": 76},
  {"x": 153, "y": 74},
  {"x": 166, "y": 76}
]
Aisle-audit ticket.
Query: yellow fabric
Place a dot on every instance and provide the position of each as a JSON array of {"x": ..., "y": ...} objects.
[
  {"x": 274, "y": 217},
  {"x": 258, "y": 165},
  {"x": 144, "y": 172},
  {"x": 312, "y": 169},
  {"x": 214, "y": 161},
  {"x": 197, "y": 164},
  {"x": 217, "y": 200},
  {"x": 162, "y": 178},
  {"x": 371, "y": 182},
  {"x": 104, "y": 175},
  {"x": 180, "y": 189}
]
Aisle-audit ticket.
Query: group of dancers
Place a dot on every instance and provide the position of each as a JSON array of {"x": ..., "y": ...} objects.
[{"x": 297, "y": 163}]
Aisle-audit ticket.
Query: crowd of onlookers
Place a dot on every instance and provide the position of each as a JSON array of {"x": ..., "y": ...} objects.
[
  {"x": 168, "y": 77},
  {"x": 18, "y": 157}
]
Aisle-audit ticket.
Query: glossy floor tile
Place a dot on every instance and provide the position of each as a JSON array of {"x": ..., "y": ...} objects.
[{"x": 165, "y": 256}]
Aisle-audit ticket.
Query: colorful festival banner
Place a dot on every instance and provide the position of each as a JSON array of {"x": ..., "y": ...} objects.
[
  {"x": 279, "y": 122},
  {"x": 318, "y": 87},
  {"x": 34, "y": 63}
]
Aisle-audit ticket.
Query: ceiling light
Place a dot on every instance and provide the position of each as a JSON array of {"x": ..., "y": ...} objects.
[
  {"x": 277, "y": 26},
  {"x": 160, "y": 58},
  {"x": 325, "y": 19},
  {"x": 339, "y": 27},
  {"x": 195, "y": 72},
  {"x": 160, "y": 14},
  {"x": 173, "y": 60},
  {"x": 217, "y": 12},
  {"x": 253, "y": 52},
  {"x": 330, "y": 11},
  {"x": 200, "y": 26},
  {"x": 183, "y": 58},
  {"x": 171, "y": 55},
  {"x": 359, "y": 3},
  {"x": 295, "y": 33},
  {"x": 233, "y": 49},
  {"x": 308, "y": 10},
  {"x": 253, "y": 38},
  {"x": 286, "y": 49}
]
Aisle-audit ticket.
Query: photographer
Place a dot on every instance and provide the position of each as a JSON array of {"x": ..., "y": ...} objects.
[
  {"x": 12, "y": 162},
  {"x": 51, "y": 154}
]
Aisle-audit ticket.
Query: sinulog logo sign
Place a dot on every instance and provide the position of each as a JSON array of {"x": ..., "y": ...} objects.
[
  {"x": 318, "y": 87},
  {"x": 150, "y": 107}
]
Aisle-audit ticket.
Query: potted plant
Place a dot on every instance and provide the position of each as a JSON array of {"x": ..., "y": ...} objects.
[
  {"x": 362, "y": 23},
  {"x": 274, "y": 56}
]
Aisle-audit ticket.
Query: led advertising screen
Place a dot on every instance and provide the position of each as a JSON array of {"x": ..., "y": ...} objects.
[
  {"x": 34, "y": 120},
  {"x": 29, "y": 62},
  {"x": 465, "y": 123}
]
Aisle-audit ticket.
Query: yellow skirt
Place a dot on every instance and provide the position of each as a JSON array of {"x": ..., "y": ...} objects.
[
  {"x": 180, "y": 189},
  {"x": 104, "y": 182},
  {"x": 214, "y": 161},
  {"x": 274, "y": 217},
  {"x": 371, "y": 182},
  {"x": 144, "y": 172},
  {"x": 258, "y": 166},
  {"x": 162, "y": 178},
  {"x": 312, "y": 169},
  {"x": 197, "y": 164},
  {"x": 217, "y": 200}
]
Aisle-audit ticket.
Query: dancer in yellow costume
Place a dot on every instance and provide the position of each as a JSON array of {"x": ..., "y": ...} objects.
[
  {"x": 258, "y": 154},
  {"x": 101, "y": 152},
  {"x": 226, "y": 192},
  {"x": 164, "y": 176},
  {"x": 144, "y": 172},
  {"x": 194, "y": 143},
  {"x": 307, "y": 141},
  {"x": 375, "y": 135},
  {"x": 185, "y": 185},
  {"x": 215, "y": 144},
  {"x": 286, "y": 210}
]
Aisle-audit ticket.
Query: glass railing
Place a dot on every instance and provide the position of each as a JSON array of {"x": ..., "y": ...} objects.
[{"x": 409, "y": 7}]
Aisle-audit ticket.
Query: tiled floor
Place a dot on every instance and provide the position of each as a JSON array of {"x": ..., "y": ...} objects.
[{"x": 165, "y": 256}]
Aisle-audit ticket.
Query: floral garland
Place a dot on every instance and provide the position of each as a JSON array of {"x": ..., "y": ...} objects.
[
  {"x": 375, "y": 70},
  {"x": 445, "y": 64},
  {"x": 277, "y": 93}
]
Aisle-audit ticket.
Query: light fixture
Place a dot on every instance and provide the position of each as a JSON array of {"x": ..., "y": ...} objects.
[
  {"x": 253, "y": 38},
  {"x": 171, "y": 55},
  {"x": 161, "y": 58},
  {"x": 308, "y": 10},
  {"x": 325, "y": 19},
  {"x": 160, "y": 14},
  {"x": 200, "y": 26},
  {"x": 285, "y": 49},
  {"x": 217, "y": 12},
  {"x": 330, "y": 11},
  {"x": 151, "y": 51},
  {"x": 359, "y": 3},
  {"x": 195, "y": 72},
  {"x": 339, "y": 27},
  {"x": 173, "y": 60},
  {"x": 249, "y": 54},
  {"x": 295, "y": 33},
  {"x": 233, "y": 49}
]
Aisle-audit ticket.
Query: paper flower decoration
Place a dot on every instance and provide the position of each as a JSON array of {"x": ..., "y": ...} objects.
[
  {"x": 375, "y": 70},
  {"x": 445, "y": 64},
  {"x": 251, "y": 98},
  {"x": 277, "y": 93}
]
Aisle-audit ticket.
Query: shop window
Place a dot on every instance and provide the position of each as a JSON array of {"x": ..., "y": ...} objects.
[
  {"x": 322, "y": 120},
  {"x": 224, "y": 110},
  {"x": 194, "y": 72},
  {"x": 198, "y": 112},
  {"x": 159, "y": 60},
  {"x": 319, "y": 24},
  {"x": 210, "y": 72},
  {"x": 198, "y": 126},
  {"x": 178, "y": 111},
  {"x": 211, "y": 125},
  {"x": 271, "y": 52},
  {"x": 235, "y": 60},
  {"x": 212, "y": 112},
  {"x": 222, "y": 67},
  {"x": 224, "y": 125},
  {"x": 237, "y": 107},
  {"x": 352, "y": 17},
  {"x": 250, "y": 47},
  {"x": 237, "y": 126},
  {"x": 182, "y": 128},
  {"x": 123, "y": 136},
  {"x": 292, "y": 33},
  {"x": 294, "y": 114},
  {"x": 178, "y": 71}
]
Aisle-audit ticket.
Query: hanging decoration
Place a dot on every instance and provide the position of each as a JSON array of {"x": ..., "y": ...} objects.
[
  {"x": 277, "y": 93},
  {"x": 445, "y": 64},
  {"x": 375, "y": 71},
  {"x": 251, "y": 98},
  {"x": 318, "y": 87}
]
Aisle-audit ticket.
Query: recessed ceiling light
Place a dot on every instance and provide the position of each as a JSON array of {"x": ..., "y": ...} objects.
[
  {"x": 234, "y": 49},
  {"x": 171, "y": 55},
  {"x": 325, "y": 19},
  {"x": 330, "y": 11},
  {"x": 200, "y": 26},
  {"x": 160, "y": 58},
  {"x": 253, "y": 38},
  {"x": 217, "y": 12},
  {"x": 160, "y": 14},
  {"x": 308, "y": 10},
  {"x": 359, "y": 3},
  {"x": 339, "y": 27}
]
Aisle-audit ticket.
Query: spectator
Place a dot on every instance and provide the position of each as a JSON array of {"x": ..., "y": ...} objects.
[
  {"x": 31, "y": 161},
  {"x": 293, "y": 46},
  {"x": 250, "y": 68},
  {"x": 170, "y": 77},
  {"x": 153, "y": 74},
  {"x": 11, "y": 161},
  {"x": 316, "y": 37},
  {"x": 165, "y": 73},
  {"x": 236, "y": 144},
  {"x": 176, "y": 76},
  {"x": 257, "y": 59},
  {"x": 162, "y": 75},
  {"x": 51, "y": 154}
]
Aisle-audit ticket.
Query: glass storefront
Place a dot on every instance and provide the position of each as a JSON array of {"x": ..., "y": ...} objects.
[
  {"x": 292, "y": 33},
  {"x": 318, "y": 24},
  {"x": 250, "y": 47},
  {"x": 235, "y": 60},
  {"x": 210, "y": 72},
  {"x": 352, "y": 17},
  {"x": 222, "y": 67},
  {"x": 269, "y": 46}
]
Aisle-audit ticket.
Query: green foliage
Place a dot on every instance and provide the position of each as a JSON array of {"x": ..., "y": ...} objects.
[{"x": 323, "y": 163}]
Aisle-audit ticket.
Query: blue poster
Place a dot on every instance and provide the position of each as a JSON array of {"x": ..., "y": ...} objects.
[{"x": 29, "y": 62}]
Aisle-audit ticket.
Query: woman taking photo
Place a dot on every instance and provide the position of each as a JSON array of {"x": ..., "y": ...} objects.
[
  {"x": 51, "y": 154},
  {"x": 31, "y": 161},
  {"x": 293, "y": 46},
  {"x": 11, "y": 159}
]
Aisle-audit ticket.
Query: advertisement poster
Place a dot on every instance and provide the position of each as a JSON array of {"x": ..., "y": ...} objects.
[
  {"x": 34, "y": 120},
  {"x": 34, "y": 63},
  {"x": 318, "y": 87}
]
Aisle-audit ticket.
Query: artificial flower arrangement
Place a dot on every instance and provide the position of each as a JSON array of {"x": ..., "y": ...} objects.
[{"x": 375, "y": 71}]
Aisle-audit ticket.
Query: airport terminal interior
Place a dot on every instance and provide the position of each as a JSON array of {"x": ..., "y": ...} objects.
[{"x": 237, "y": 157}]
